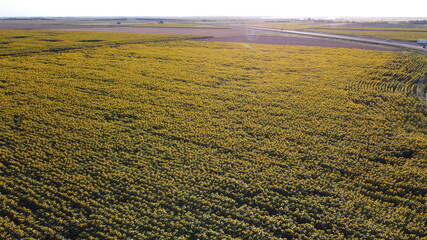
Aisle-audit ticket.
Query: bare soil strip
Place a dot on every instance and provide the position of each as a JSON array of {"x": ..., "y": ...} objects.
[
  {"x": 216, "y": 32},
  {"x": 187, "y": 31}
]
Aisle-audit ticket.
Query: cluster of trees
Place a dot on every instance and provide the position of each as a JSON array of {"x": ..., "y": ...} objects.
[
  {"x": 418, "y": 22},
  {"x": 181, "y": 140}
]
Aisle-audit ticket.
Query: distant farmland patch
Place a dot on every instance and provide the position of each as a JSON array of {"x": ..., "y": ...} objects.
[
  {"x": 179, "y": 25},
  {"x": 386, "y": 31}
]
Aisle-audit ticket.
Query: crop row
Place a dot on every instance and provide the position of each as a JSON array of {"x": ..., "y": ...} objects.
[
  {"x": 182, "y": 139},
  {"x": 21, "y": 42}
]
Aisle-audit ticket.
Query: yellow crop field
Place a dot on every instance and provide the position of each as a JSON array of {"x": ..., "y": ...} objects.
[
  {"x": 376, "y": 29},
  {"x": 389, "y": 34},
  {"x": 14, "y": 42},
  {"x": 209, "y": 140},
  {"x": 406, "y": 34}
]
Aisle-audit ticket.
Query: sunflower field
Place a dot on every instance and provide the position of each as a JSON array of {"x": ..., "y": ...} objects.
[{"x": 177, "y": 139}]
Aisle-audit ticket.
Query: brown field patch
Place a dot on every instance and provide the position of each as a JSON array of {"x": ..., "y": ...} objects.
[
  {"x": 220, "y": 32},
  {"x": 216, "y": 32}
]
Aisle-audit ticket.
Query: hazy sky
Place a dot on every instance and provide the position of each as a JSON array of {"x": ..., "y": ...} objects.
[{"x": 281, "y": 8}]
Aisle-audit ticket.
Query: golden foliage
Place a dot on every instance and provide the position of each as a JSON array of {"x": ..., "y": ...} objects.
[
  {"x": 179, "y": 140},
  {"x": 14, "y": 42},
  {"x": 406, "y": 34},
  {"x": 403, "y": 34}
]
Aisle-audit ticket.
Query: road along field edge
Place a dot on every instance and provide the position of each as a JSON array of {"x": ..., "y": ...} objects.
[{"x": 400, "y": 44}]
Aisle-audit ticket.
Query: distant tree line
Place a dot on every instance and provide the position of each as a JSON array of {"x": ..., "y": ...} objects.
[
  {"x": 29, "y": 18},
  {"x": 418, "y": 21}
]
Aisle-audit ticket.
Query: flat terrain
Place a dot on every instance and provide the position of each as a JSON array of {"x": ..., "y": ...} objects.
[
  {"x": 300, "y": 41},
  {"x": 142, "y": 136},
  {"x": 14, "y": 42},
  {"x": 225, "y": 35},
  {"x": 403, "y": 32}
]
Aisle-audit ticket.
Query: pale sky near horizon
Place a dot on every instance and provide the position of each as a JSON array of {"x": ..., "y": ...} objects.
[{"x": 284, "y": 8}]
